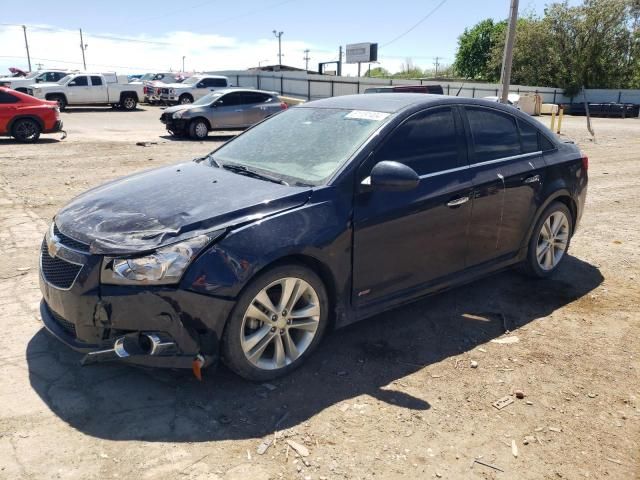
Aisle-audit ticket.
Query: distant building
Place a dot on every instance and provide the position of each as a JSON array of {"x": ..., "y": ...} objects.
[{"x": 278, "y": 68}]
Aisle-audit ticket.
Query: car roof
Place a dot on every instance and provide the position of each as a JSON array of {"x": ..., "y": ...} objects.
[
  {"x": 241, "y": 89},
  {"x": 396, "y": 102}
]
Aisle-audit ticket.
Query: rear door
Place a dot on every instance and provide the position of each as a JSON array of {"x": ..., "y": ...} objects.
[
  {"x": 98, "y": 90},
  {"x": 258, "y": 106},
  {"x": 502, "y": 176},
  {"x": 405, "y": 241}
]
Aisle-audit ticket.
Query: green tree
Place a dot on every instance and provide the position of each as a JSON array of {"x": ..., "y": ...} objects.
[
  {"x": 379, "y": 72},
  {"x": 475, "y": 47}
]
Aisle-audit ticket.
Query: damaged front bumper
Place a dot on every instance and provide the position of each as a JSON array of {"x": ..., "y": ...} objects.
[{"x": 151, "y": 326}]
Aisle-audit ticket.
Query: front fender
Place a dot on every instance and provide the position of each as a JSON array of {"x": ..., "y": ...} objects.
[{"x": 318, "y": 231}]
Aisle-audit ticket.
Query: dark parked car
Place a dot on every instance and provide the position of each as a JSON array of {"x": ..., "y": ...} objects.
[
  {"x": 325, "y": 214},
  {"x": 432, "y": 89}
]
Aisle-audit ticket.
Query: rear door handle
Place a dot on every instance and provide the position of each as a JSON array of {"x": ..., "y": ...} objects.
[
  {"x": 457, "y": 202},
  {"x": 534, "y": 179}
]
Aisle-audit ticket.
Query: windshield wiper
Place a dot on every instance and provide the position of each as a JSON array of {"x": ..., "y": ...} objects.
[{"x": 242, "y": 170}]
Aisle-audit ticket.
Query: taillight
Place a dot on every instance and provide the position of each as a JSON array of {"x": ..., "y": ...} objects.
[
  {"x": 283, "y": 106},
  {"x": 585, "y": 162}
]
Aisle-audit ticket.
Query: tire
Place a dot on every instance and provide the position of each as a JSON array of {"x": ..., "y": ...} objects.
[
  {"x": 263, "y": 335},
  {"x": 185, "y": 99},
  {"x": 129, "y": 103},
  {"x": 544, "y": 257},
  {"x": 26, "y": 130},
  {"x": 198, "y": 129},
  {"x": 62, "y": 102}
]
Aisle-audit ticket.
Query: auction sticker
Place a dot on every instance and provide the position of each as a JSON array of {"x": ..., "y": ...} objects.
[{"x": 366, "y": 115}]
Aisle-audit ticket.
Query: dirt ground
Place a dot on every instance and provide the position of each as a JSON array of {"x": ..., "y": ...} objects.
[{"x": 392, "y": 397}]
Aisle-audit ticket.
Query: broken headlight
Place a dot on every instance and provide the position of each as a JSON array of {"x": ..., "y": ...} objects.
[{"x": 163, "y": 267}]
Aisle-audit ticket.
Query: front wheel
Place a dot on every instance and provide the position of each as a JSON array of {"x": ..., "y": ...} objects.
[
  {"x": 277, "y": 322},
  {"x": 550, "y": 241},
  {"x": 185, "y": 99},
  {"x": 198, "y": 129},
  {"x": 26, "y": 130}
]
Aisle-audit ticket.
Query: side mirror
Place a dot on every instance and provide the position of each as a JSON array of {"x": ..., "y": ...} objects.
[
  {"x": 200, "y": 85},
  {"x": 388, "y": 176}
]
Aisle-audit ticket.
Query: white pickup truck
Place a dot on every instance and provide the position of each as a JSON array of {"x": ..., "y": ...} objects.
[
  {"x": 21, "y": 83},
  {"x": 89, "y": 89},
  {"x": 193, "y": 88}
]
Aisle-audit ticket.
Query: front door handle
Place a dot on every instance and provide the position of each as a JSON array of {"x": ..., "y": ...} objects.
[
  {"x": 534, "y": 179},
  {"x": 457, "y": 202}
]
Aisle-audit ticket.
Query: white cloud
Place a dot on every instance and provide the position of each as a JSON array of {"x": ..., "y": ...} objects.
[{"x": 60, "y": 48}]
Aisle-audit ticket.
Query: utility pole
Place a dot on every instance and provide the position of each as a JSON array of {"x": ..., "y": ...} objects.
[
  {"x": 278, "y": 35},
  {"x": 183, "y": 57},
  {"x": 306, "y": 59},
  {"x": 83, "y": 48},
  {"x": 437, "y": 64},
  {"x": 505, "y": 77},
  {"x": 339, "y": 72},
  {"x": 26, "y": 44}
]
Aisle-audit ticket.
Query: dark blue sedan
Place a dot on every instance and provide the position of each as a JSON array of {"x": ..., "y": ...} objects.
[{"x": 323, "y": 215}]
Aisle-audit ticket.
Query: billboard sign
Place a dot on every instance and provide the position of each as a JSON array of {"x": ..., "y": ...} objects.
[{"x": 362, "y": 53}]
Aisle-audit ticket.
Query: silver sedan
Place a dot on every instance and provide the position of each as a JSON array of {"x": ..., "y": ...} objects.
[{"x": 221, "y": 110}]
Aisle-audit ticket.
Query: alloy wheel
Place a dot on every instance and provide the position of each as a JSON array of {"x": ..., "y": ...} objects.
[
  {"x": 129, "y": 103},
  {"x": 201, "y": 130},
  {"x": 26, "y": 130},
  {"x": 552, "y": 241},
  {"x": 280, "y": 323}
]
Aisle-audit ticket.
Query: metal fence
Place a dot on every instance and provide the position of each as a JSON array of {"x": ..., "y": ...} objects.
[{"x": 314, "y": 87}]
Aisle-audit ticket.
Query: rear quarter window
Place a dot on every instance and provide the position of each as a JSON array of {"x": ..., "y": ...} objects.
[{"x": 7, "y": 98}]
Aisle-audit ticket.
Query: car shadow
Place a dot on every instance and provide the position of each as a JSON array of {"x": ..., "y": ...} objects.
[
  {"x": 12, "y": 141},
  {"x": 104, "y": 109},
  {"x": 212, "y": 137},
  {"x": 119, "y": 402}
]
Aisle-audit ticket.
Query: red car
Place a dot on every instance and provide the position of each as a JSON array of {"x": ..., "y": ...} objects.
[{"x": 25, "y": 117}]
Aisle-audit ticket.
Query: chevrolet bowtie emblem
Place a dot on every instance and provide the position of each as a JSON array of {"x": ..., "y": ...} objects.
[{"x": 53, "y": 245}]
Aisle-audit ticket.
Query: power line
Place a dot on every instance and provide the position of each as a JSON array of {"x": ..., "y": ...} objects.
[
  {"x": 68, "y": 62},
  {"x": 434, "y": 10}
]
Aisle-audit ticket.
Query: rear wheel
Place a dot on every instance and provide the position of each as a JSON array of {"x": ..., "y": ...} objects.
[
  {"x": 550, "y": 241},
  {"x": 277, "y": 322},
  {"x": 198, "y": 129},
  {"x": 129, "y": 103},
  {"x": 26, "y": 130}
]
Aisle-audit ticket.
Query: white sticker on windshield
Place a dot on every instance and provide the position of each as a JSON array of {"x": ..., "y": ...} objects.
[{"x": 366, "y": 115}]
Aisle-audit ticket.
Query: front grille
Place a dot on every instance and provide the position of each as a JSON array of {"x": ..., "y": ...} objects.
[
  {"x": 165, "y": 91},
  {"x": 69, "y": 242},
  {"x": 165, "y": 117},
  {"x": 57, "y": 272},
  {"x": 30, "y": 91},
  {"x": 66, "y": 325}
]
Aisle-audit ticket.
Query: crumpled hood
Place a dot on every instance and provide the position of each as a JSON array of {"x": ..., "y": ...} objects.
[
  {"x": 178, "y": 108},
  {"x": 154, "y": 208}
]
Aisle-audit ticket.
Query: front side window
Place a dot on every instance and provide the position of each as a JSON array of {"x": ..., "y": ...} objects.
[
  {"x": 426, "y": 142},
  {"x": 494, "y": 134},
  {"x": 79, "y": 82},
  {"x": 231, "y": 99},
  {"x": 303, "y": 144}
]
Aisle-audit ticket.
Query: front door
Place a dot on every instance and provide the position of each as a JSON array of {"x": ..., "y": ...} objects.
[
  {"x": 229, "y": 111},
  {"x": 406, "y": 241},
  {"x": 78, "y": 90}
]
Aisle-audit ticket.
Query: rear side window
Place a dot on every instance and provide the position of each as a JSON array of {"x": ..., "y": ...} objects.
[
  {"x": 426, "y": 142},
  {"x": 217, "y": 82},
  {"x": 95, "y": 81},
  {"x": 528, "y": 137},
  {"x": 79, "y": 82},
  {"x": 6, "y": 98},
  {"x": 494, "y": 134},
  {"x": 254, "y": 97}
]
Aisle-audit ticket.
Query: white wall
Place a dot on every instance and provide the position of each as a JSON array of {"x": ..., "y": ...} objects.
[{"x": 314, "y": 87}]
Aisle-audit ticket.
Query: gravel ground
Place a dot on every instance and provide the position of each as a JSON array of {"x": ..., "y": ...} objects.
[{"x": 395, "y": 396}]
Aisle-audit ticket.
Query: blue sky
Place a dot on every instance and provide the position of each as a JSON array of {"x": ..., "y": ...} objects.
[{"x": 219, "y": 34}]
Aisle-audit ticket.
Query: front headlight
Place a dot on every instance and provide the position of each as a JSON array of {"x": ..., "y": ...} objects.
[
  {"x": 172, "y": 91},
  {"x": 163, "y": 267},
  {"x": 179, "y": 114}
]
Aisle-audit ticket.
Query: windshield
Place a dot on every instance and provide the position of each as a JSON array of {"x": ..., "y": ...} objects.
[
  {"x": 64, "y": 79},
  {"x": 148, "y": 76},
  {"x": 306, "y": 145},
  {"x": 208, "y": 99},
  {"x": 191, "y": 80}
]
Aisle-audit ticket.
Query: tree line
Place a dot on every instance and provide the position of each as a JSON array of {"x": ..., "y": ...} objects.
[{"x": 592, "y": 45}]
